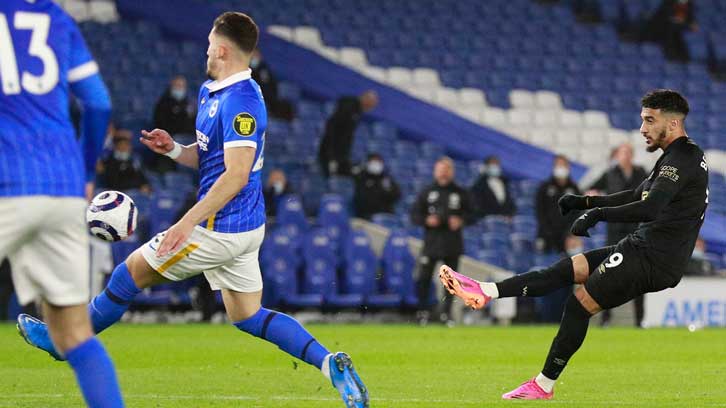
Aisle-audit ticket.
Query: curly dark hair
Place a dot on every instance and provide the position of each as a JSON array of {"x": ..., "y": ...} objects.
[{"x": 667, "y": 100}]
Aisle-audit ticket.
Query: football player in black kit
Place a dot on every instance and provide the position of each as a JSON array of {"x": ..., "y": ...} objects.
[{"x": 670, "y": 206}]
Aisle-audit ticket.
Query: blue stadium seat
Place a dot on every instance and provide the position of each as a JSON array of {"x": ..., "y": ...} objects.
[
  {"x": 164, "y": 209},
  {"x": 398, "y": 265},
  {"x": 290, "y": 212},
  {"x": 333, "y": 216}
]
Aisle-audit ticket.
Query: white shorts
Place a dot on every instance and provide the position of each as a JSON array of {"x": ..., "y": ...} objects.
[
  {"x": 46, "y": 240},
  {"x": 228, "y": 260}
]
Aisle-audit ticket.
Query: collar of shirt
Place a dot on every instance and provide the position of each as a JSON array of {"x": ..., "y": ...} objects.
[
  {"x": 215, "y": 86},
  {"x": 678, "y": 141}
]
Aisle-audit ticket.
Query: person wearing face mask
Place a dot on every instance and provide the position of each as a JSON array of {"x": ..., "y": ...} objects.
[
  {"x": 175, "y": 112},
  {"x": 623, "y": 175},
  {"x": 121, "y": 169},
  {"x": 276, "y": 107},
  {"x": 490, "y": 193},
  {"x": 553, "y": 227},
  {"x": 375, "y": 190},
  {"x": 276, "y": 187}
]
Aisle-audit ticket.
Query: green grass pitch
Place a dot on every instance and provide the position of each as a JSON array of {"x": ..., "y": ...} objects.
[{"x": 404, "y": 366}]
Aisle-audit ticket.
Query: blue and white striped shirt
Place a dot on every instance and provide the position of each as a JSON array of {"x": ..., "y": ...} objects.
[
  {"x": 43, "y": 58},
  {"x": 232, "y": 114}
]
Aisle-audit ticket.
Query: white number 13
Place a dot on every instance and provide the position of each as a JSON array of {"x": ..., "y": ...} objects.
[
  {"x": 34, "y": 84},
  {"x": 614, "y": 260}
]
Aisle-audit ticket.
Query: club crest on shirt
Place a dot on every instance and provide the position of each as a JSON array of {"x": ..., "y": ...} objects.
[
  {"x": 244, "y": 124},
  {"x": 213, "y": 108},
  {"x": 454, "y": 201}
]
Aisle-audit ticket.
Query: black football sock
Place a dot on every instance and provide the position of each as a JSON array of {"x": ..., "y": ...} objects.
[
  {"x": 573, "y": 330},
  {"x": 539, "y": 283}
]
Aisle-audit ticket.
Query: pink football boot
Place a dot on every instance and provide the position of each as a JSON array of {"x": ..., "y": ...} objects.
[
  {"x": 464, "y": 287},
  {"x": 530, "y": 390}
]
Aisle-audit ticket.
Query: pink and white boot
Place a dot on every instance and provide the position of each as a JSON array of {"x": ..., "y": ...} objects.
[
  {"x": 530, "y": 390},
  {"x": 463, "y": 287}
]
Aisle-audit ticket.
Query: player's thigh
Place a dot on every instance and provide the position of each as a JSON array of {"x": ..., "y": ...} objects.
[
  {"x": 203, "y": 250},
  {"x": 17, "y": 224},
  {"x": 54, "y": 264},
  {"x": 241, "y": 273},
  {"x": 619, "y": 278}
]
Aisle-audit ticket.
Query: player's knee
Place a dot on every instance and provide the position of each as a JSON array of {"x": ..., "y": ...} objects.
[
  {"x": 581, "y": 268},
  {"x": 141, "y": 272},
  {"x": 587, "y": 302},
  {"x": 241, "y": 306}
]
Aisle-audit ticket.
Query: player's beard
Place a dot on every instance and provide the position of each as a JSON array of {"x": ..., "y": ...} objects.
[
  {"x": 655, "y": 144},
  {"x": 210, "y": 70}
]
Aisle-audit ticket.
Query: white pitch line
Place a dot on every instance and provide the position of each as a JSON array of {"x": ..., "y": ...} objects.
[{"x": 392, "y": 400}]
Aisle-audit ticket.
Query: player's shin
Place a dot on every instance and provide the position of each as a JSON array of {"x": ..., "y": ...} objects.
[
  {"x": 573, "y": 330},
  {"x": 108, "y": 307},
  {"x": 95, "y": 374},
  {"x": 287, "y": 333},
  {"x": 538, "y": 283}
]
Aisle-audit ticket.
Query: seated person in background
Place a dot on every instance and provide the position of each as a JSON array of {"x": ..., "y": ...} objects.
[
  {"x": 276, "y": 187},
  {"x": 261, "y": 73},
  {"x": 176, "y": 113},
  {"x": 121, "y": 169},
  {"x": 490, "y": 193},
  {"x": 375, "y": 190},
  {"x": 699, "y": 265}
]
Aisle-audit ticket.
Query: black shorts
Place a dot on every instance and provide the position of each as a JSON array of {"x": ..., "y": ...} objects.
[{"x": 624, "y": 274}]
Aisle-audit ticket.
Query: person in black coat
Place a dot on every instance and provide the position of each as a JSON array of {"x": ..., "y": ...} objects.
[
  {"x": 337, "y": 141},
  {"x": 553, "y": 228},
  {"x": 262, "y": 74},
  {"x": 490, "y": 193},
  {"x": 121, "y": 170},
  {"x": 375, "y": 190},
  {"x": 443, "y": 208},
  {"x": 176, "y": 113},
  {"x": 276, "y": 187},
  {"x": 620, "y": 177}
]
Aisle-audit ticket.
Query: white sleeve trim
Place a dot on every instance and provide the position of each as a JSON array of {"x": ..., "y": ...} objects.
[
  {"x": 240, "y": 143},
  {"x": 82, "y": 71}
]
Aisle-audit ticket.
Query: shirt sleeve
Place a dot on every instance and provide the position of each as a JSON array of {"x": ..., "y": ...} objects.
[
  {"x": 82, "y": 65},
  {"x": 240, "y": 115},
  {"x": 672, "y": 175}
]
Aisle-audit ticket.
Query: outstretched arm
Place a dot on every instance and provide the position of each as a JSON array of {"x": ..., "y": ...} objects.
[
  {"x": 159, "y": 141},
  {"x": 570, "y": 202}
]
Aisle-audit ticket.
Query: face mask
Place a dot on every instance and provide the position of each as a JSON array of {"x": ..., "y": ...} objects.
[
  {"x": 574, "y": 251},
  {"x": 178, "y": 94},
  {"x": 278, "y": 187},
  {"x": 561, "y": 172},
  {"x": 121, "y": 156},
  {"x": 494, "y": 170},
  {"x": 375, "y": 167},
  {"x": 254, "y": 62},
  {"x": 698, "y": 254}
]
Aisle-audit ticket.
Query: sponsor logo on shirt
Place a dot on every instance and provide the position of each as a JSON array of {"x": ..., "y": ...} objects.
[{"x": 669, "y": 172}]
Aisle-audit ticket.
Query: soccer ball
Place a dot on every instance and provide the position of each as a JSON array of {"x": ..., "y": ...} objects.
[{"x": 111, "y": 216}]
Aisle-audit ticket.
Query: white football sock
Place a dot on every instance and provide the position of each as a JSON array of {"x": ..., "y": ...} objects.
[
  {"x": 489, "y": 289},
  {"x": 544, "y": 382},
  {"x": 325, "y": 368}
]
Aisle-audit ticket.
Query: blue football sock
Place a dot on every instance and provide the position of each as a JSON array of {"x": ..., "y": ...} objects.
[
  {"x": 108, "y": 307},
  {"x": 95, "y": 374},
  {"x": 287, "y": 333}
]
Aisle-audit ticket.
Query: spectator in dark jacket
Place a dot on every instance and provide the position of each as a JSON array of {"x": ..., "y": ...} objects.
[
  {"x": 121, "y": 170},
  {"x": 375, "y": 190},
  {"x": 176, "y": 113},
  {"x": 337, "y": 141},
  {"x": 276, "y": 187},
  {"x": 262, "y": 74},
  {"x": 442, "y": 209},
  {"x": 553, "y": 228},
  {"x": 490, "y": 193},
  {"x": 623, "y": 175},
  {"x": 668, "y": 24}
]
